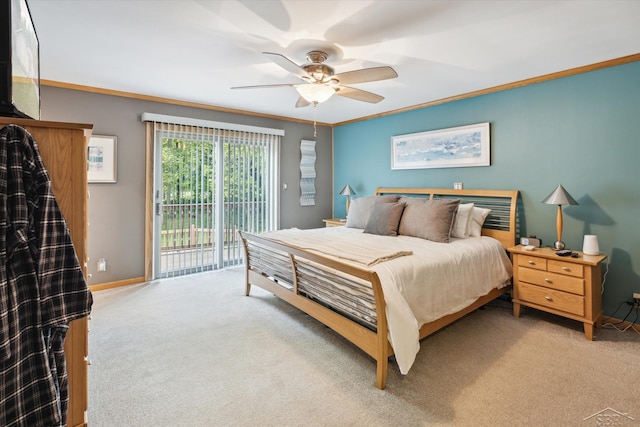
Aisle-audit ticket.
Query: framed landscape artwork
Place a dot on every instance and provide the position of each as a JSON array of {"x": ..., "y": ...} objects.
[{"x": 461, "y": 146}]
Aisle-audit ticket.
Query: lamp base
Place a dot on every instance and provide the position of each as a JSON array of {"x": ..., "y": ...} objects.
[{"x": 559, "y": 245}]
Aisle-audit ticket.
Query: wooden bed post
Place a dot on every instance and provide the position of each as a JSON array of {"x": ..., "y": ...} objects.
[
  {"x": 247, "y": 266},
  {"x": 383, "y": 350}
]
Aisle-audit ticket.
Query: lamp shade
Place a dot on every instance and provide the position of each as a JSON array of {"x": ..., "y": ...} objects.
[
  {"x": 559, "y": 196},
  {"x": 315, "y": 93},
  {"x": 347, "y": 191}
]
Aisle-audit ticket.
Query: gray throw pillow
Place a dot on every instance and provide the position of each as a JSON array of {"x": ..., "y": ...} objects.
[
  {"x": 429, "y": 219},
  {"x": 384, "y": 219},
  {"x": 360, "y": 209}
]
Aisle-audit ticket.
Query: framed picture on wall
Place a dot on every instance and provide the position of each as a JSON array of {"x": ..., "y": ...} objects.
[
  {"x": 102, "y": 159},
  {"x": 461, "y": 146}
]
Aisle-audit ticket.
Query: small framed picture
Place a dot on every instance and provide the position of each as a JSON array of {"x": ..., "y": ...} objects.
[{"x": 102, "y": 159}]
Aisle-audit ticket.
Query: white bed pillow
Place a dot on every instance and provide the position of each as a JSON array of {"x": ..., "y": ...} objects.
[
  {"x": 477, "y": 220},
  {"x": 360, "y": 209},
  {"x": 461, "y": 221}
]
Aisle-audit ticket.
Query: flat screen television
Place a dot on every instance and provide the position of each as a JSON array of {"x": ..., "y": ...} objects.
[{"x": 19, "y": 61}]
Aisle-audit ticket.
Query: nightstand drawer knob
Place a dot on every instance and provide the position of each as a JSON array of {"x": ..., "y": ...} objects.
[
  {"x": 531, "y": 262},
  {"x": 566, "y": 268},
  {"x": 548, "y": 280},
  {"x": 548, "y": 298}
]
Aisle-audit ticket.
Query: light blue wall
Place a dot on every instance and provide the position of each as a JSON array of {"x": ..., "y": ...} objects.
[{"x": 581, "y": 131}]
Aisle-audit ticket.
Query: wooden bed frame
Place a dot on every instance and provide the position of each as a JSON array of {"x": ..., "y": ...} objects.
[{"x": 292, "y": 274}]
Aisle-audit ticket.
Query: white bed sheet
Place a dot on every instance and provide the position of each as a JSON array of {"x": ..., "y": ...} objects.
[{"x": 432, "y": 281}]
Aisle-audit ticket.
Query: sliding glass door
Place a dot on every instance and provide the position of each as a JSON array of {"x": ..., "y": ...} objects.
[{"x": 208, "y": 184}]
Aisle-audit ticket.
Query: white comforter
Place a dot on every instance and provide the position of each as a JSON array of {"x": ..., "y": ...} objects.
[{"x": 423, "y": 280}]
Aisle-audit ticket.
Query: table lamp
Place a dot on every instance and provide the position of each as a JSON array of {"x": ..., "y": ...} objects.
[
  {"x": 559, "y": 197},
  {"x": 347, "y": 191}
]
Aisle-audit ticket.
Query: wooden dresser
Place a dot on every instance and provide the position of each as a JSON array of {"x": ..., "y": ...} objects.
[
  {"x": 566, "y": 286},
  {"x": 63, "y": 148}
]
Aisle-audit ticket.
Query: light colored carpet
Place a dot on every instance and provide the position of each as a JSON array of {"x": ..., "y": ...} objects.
[{"x": 194, "y": 351}]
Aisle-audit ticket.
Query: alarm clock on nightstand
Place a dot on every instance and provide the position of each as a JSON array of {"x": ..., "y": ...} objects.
[{"x": 531, "y": 241}]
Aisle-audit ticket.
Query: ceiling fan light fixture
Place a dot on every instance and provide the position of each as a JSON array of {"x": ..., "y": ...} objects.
[{"x": 315, "y": 93}]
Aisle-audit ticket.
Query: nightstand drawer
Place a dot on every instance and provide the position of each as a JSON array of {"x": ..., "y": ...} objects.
[
  {"x": 532, "y": 262},
  {"x": 552, "y": 280},
  {"x": 562, "y": 301},
  {"x": 568, "y": 268}
]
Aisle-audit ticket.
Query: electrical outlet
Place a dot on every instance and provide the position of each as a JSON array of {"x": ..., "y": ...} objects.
[{"x": 102, "y": 264}]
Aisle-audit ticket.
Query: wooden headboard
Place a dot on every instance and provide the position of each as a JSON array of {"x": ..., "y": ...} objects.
[{"x": 501, "y": 223}]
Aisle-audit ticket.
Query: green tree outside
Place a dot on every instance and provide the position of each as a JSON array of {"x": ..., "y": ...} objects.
[{"x": 189, "y": 186}]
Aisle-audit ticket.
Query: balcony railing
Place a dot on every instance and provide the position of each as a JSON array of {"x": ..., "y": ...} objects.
[{"x": 188, "y": 235}]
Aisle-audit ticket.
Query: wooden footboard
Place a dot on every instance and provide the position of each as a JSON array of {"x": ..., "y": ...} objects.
[{"x": 292, "y": 275}]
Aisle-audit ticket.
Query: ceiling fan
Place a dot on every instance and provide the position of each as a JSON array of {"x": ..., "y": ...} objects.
[{"x": 320, "y": 81}]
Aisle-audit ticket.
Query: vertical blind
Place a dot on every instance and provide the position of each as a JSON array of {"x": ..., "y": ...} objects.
[{"x": 216, "y": 179}]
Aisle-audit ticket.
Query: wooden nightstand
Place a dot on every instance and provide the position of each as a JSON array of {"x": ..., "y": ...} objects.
[
  {"x": 334, "y": 222},
  {"x": 566, "y": 286}
]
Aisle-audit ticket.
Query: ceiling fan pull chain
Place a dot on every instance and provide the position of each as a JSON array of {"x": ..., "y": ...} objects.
[{"x": 315, "y": 104}]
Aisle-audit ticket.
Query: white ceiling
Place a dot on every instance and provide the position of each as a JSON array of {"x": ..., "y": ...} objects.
[{"x": 196, "y": 50}]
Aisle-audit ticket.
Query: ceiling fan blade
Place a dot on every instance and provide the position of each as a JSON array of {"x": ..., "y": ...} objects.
[
  {"x": 266, "y": 86},
  {"x": 366, "y": 75},
  {"x": 359, "y": 95},
  {"x": 288, "y": 65},
  {"x": 302, "y": 102}
]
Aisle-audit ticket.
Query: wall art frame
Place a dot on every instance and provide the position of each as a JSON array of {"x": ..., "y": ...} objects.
[
  {"x": 307, "y": 173},
  {"x": 102, "y": 156},
  {"x": 461, "y": 146}
]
